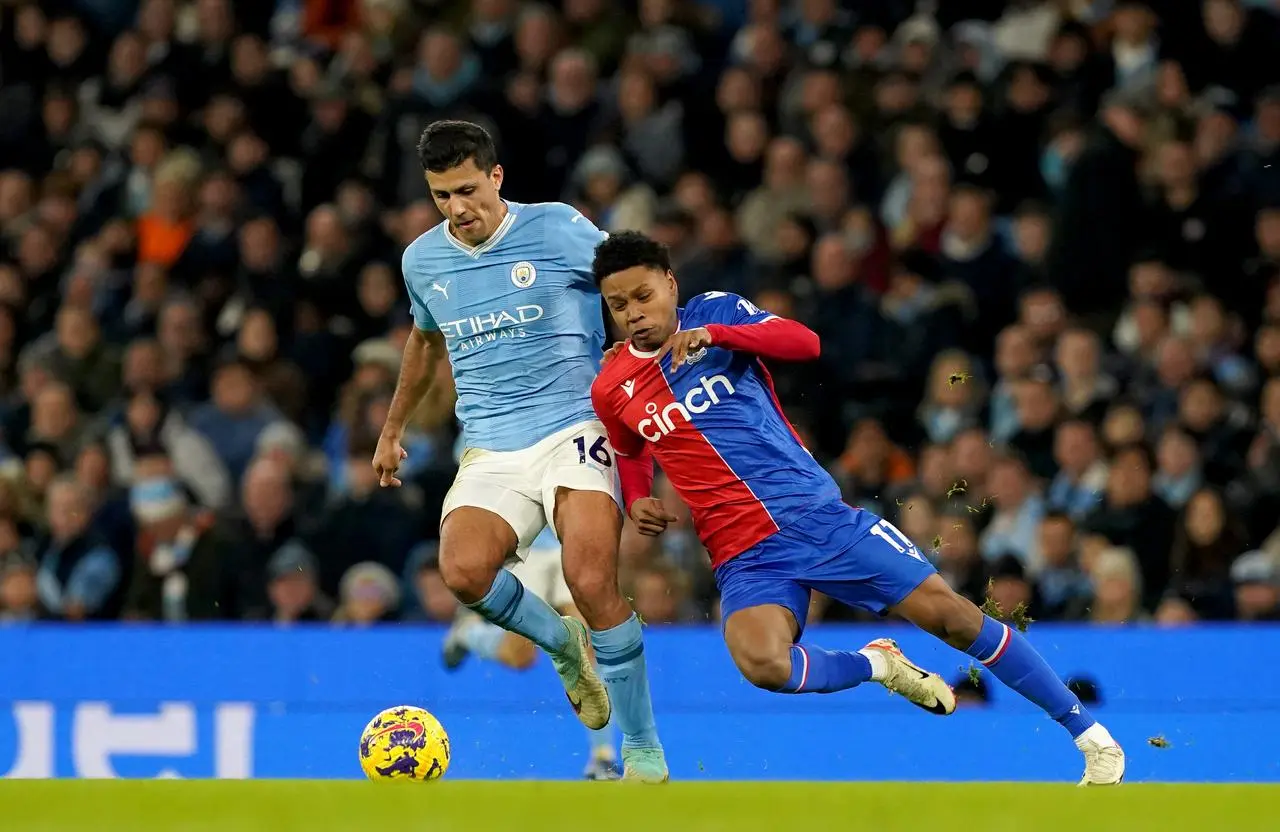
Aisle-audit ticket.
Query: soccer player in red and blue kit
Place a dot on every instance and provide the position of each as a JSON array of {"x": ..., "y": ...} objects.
[{"x": 690, "y": 389}]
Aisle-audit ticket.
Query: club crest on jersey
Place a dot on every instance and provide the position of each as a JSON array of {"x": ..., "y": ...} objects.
[{"x": 523, "y": 274}]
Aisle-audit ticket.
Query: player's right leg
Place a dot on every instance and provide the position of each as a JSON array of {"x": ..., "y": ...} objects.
[
  {"x": 493, "y": 511},
  {"x": 762, "y": 641},
  {"x": 764, "y": 610},
  {"x": 474, "y": 544},
  {"x": 471, "y": 635},
  {"x": 542, "y": 574}
]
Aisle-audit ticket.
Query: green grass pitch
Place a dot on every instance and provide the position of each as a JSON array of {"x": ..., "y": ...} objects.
[{"x": 318, "y": 806}]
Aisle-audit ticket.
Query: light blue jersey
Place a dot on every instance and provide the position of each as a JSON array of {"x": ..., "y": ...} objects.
[{"x": 522, "y": 320}]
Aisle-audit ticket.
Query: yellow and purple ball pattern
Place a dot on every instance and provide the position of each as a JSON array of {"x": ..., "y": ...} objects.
[{"x": 404, "y": 743}]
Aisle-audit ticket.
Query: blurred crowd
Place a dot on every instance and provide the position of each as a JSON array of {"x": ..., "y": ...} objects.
[{"x": 1040, "y": 240}]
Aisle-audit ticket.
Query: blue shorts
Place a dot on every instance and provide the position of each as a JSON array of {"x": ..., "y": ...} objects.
[{"x": 845, "y": 553}]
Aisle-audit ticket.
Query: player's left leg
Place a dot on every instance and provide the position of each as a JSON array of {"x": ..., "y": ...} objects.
[
  {"x": 935, "y": 607},
  {"x": 589, "y": 524},
  {"x": 602, "y": 759},
  {"x": 602, "y": 755}
]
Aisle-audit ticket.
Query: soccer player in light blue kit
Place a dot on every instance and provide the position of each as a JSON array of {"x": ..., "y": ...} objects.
[{"x": 506, "y": 290}]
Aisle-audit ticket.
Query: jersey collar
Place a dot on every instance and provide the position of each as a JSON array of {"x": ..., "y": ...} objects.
[{"x": 494, "y": 238}]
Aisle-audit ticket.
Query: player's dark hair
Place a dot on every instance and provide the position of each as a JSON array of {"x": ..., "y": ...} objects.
[
  {"x": 447, "y": 144},
  {"x": 626, "y": 250}
]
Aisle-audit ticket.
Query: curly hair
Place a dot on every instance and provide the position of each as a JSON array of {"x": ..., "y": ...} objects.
[{"x": 626, "y": 250}]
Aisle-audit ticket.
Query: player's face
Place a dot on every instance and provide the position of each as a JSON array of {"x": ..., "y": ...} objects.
[
  {"x": 642, "y": 301},
  {"x": 468, "y": 198}
]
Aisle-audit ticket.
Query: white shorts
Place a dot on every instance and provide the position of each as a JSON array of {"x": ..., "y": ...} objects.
[
  {"x": 520, "y": 486},
  {"x": 542, "y": 573}
]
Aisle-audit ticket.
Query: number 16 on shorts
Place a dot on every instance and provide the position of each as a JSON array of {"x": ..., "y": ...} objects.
[
  {"x": 596, "y": 451},
  {"x": 890, "y": 534}
]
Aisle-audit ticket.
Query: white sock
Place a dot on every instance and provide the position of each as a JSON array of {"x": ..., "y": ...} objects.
[
  {"x": 879, "y": 664},
  {"x": 1095, "y": 733}
]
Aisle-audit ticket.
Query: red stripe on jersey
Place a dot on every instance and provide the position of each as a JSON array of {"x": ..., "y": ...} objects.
[
  {"x": 634, "y": 399},
  {"x": 727, "y": 515}
]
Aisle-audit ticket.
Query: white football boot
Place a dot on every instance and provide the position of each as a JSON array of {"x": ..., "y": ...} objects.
[
  {"x": 902, "y": 676},
  {"x": 1103, "y": 758},
  {"x": 582, "y": 685}
]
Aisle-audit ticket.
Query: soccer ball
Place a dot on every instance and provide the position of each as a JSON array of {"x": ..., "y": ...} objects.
[{"x": 404, "y": 743}]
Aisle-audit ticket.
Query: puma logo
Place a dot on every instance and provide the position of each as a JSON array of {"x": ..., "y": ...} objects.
[{"x": 444, "y": 290}]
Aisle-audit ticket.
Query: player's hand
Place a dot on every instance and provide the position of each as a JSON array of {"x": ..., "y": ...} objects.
[
  {"x": 387, "y": 459},
  {"x": 611, "y": 352},
  {"x": 651, "y": 516},
  {"x": 684, "y": 342}
]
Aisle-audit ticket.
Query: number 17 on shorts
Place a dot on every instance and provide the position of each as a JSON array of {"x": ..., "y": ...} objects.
[{"x": 890, "y": 534}]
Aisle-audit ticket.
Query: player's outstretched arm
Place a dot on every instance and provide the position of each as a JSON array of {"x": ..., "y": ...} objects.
[
  {"x": 780, "y": 339},
  {"x": 417, "y": 369},
  {"x": 735, "y": 323}
]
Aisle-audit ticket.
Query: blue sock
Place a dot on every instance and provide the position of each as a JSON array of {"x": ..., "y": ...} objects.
[
  {"x": 601, "y": 741},
  {"x": 620, "y": 660},
  {"x": 814, "y": 670},
  {"x": 1015, "y": 662},
  {"x": 483, "y": 639},
  {"x": 508, "y": 605}
]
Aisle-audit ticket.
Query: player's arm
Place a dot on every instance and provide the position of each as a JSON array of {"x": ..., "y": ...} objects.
[
  {"x": 575, "y": 237},
  {"x": 781, "y": 339},
  {"x": 422, "y": 352},
  {"x": 635, "y": 469},
  {"x": 737, "y": 324}
]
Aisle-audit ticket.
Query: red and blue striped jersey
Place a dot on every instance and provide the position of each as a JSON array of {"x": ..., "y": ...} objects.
[{"x": 715, "y": 425}]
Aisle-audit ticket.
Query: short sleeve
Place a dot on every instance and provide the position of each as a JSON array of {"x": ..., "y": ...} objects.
[
  {"x": 726, "y": 308},
  {"x": 577, "y": 237},
  {"x": 422, "y": 318}
]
